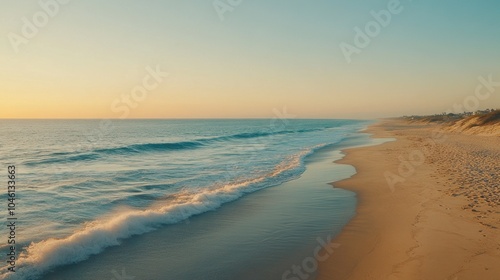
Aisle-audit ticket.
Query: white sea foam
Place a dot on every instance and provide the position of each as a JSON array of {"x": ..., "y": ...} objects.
[{"x": 95, "y": 236}]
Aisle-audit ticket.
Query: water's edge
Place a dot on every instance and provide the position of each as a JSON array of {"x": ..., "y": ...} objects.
[{"x": 171, "y": 242}]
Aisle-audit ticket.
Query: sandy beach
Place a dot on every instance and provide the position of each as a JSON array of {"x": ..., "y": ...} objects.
[{"x": 428, "y": 207}]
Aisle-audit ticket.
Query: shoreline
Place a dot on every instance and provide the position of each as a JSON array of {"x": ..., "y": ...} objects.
[
  {"x": 280, "y": 228},
  {"x": 436, "y": 223}
]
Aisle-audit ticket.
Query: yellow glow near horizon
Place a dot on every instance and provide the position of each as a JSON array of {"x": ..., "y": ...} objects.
[{"x": 82, "y": 66}]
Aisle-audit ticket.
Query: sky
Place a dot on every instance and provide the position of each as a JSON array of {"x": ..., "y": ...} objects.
[{"x": 247, "y": 58}]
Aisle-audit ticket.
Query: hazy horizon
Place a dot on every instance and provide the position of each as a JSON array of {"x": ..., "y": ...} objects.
[{"x": 246, "y": 59}]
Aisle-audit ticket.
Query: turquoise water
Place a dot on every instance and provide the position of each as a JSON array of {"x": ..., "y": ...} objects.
[{"x": 85, "y": 188}]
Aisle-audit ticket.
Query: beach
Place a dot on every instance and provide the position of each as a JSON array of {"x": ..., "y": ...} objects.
[
  {"x": 428, "y": 207},
  {"x": 250, "y": 140}
]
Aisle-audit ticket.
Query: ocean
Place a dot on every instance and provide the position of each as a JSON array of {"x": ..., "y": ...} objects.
[{"x": 172, "y": 199}]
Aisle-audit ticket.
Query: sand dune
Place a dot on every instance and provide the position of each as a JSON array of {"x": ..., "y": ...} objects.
[{"x": 483, "y": 125}]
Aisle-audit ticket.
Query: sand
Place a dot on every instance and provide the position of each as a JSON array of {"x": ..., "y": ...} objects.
[{"x": 440, "y": 219}]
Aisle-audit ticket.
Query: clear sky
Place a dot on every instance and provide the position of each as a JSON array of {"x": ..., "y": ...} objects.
[{"x": 89, "y": 58}]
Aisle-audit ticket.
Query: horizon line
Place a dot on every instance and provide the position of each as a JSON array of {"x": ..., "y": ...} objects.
[{"x": 259, "y": 118}]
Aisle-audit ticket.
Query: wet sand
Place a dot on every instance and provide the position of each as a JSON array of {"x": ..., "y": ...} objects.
[{"x": 428, "y": 207}]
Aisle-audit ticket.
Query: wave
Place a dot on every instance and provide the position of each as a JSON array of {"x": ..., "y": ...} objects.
[
  {"x": 95, "y": 236},
  {"x": 151, "y": 147},
  {"x": 66, "y": 157},
  {"x": 262, "y": 134}
]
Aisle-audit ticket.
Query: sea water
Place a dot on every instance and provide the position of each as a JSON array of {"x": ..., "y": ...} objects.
[{"x": 86, "y": 186}]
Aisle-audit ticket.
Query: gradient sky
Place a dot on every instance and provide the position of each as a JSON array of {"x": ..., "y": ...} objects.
[{"x": 264, "y": 56}]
